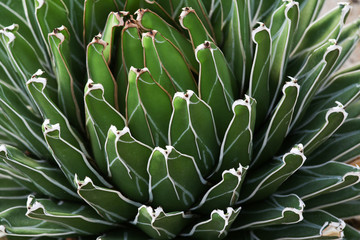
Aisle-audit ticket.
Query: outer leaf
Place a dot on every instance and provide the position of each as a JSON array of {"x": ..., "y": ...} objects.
[
  {"x": 175, "y": 181},
  {"x": 327, "y": 27},
  {"x": 151, "y": 21},
  {"x": 259, "y": 76},
  {"x": 160, "y": 225},
  {"x": 99, "y": 71},
  {"x": 216, "y": 84},
  {"x": 81, "y": 220},
  {"x": 69, "y": 158},
  {"x": 267, "y": 179},
  {"x": 69, "y": 92},
  {"x": 37, "y": 87},
  {"x": 236, "y": 148},
  {"x": 272, "y": 135},
  {"x": 225, "y": 193},
  {"x": 346, "y": 210},
  {"x": 127, "y": 160},
  {"x": 109, "y": 204},
  {"x": 192, "y": 130},
  {"x": 100, "y": 115},
  {"x": 148, "y": 108},
  {"x": 216, "y": 227},
  {"x": 49, "y": 180},
  {"x": 316, "y": 225},
  {"x": 313, "y": 181},
  {"x": 276, "y": 210}
]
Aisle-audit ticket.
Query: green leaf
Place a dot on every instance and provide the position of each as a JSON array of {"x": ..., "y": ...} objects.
[
  {"x": 76, "y": 217},
  {"x": 99, "y": 71},
  {"x": 100, "y": 115},
  {"x": 38, "y": 90},
  {"x": 238, "y": 46},
  {"x": 192, "y": 130},
  {"x": 151, "y": 21},
  {"x": 343, "y": 146},
  {"x": 69, "y": 92},
  {"x": 48, "y": 179},
  {"x": 259, "y": 76},
  {"x": 95, "y": 15},
  {"x": 114, "y": 22},
  {"x": 124, "y": 234},
  {"x": 159, "y": 224},
  {"x": 276, "y": 210},
  {"x": 284, "y": 23},
  {"x": 223, "y": 194},
  {"x": 69, "y": 158},
  {"x": 264, "y": 181},
  {"x": 346, "y": 210},
  {"x": 175, "y": 181},
  {"x": 148, "y": 108},
  {"x": 216, "y": 84},
  {"x": 190, "y": 21},
  {"x": 270, "y": 138},
  {"x": 316, "y": 225},
  {"x": 172, "y": 62},
  {"x": 127, "y": 160},
  {"x": 316, "y": 132},
  {"x": 216, "y": 227},
  {"x": 327, "y": 27},
  {"x": 236, "y": 148},
  {"x": 109, "y": 204},
  {"x": 312, "y": 181}
]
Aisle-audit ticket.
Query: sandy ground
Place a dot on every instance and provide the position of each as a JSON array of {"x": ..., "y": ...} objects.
[{"x": 354, "y": 14}]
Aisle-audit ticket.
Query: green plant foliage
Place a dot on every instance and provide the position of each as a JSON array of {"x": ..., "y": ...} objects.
[{"x": 186, "y": 119}]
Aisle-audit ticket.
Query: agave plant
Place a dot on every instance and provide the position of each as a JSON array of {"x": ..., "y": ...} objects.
[{"x": 188, "y": 119}]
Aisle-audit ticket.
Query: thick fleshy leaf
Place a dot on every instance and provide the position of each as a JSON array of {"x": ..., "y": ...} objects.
[
  {"x": 127, "y": 160},
  {"x": 124, "y": 234},
  {"x": 108, "y": 203},
  {"x": 264, "y": 181},
  {"x": 284, "y": 22},
  {"x": 69, "y": 158},
  {"x": 327, "y": 27},
  {"x": 236, "y": 147},
  {"x": 100, "y": 115},
  {"x": 272, "y": 135},
  {"x": 148, "y": 108},
  {"x": 316, "y": 132},
  {"x": 312, "y": 181},
  {"x": 192, "y": 130},
  {"x": 217, "y": 85},
  {"x": 262, "y": 8},
  {"x": 346, "y": 210},
  {"x": 343, "y": 146},
  {"x": 259, "y": 76},
  {"x": 190, "y": 21},
  {"x": 175, "y": 181},
  {"x": 95, "y": 15},
  {"x": 316, "y": 225},
  {"x": 332, "y": 199},
  {"x": 159, "y": 224},
  {"x": 223, "y": 194},
  {"x": 69, "y": 92},
  {"x": 278, "y": 209},
  {"x": 216, "y": 227},
  {"x": 220, "y": 14},
  {"x": 80, "y": 219},
  {"x": 12, "y": 194},
  {"x": 238, "y": 46},
  {"x": 48, "y": 179},
  {"x": 99, "y": 71},
  {"x": 113, "y": 24},
  {"x": 151, "y": 21},
  {"x": 38, "y": 89},
  {"x": 172, "y": 63}
]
